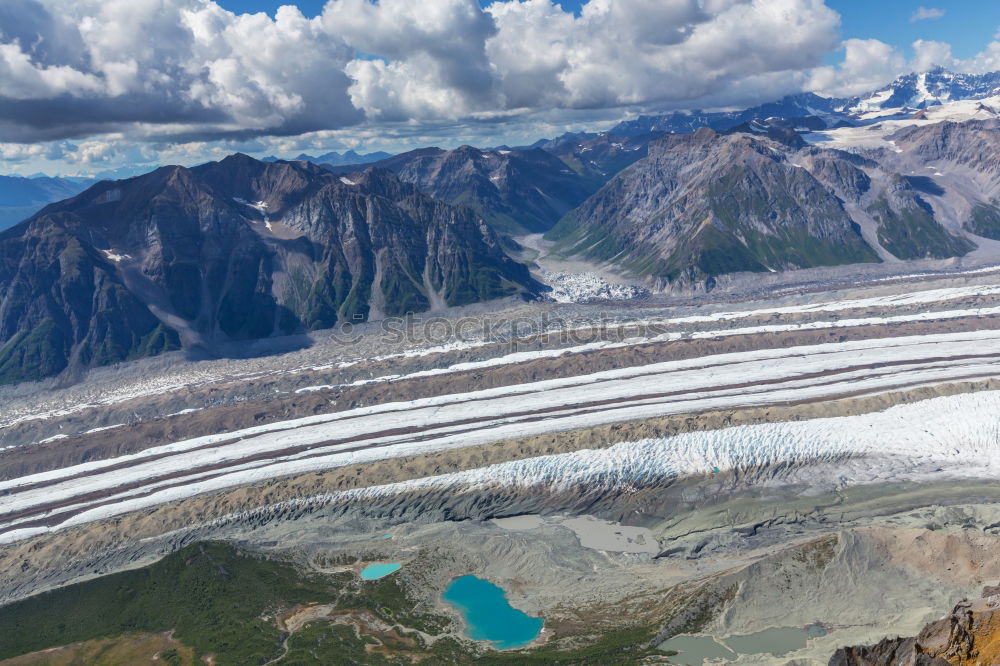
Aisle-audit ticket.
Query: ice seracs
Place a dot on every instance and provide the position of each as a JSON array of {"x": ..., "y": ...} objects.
[{"x": 588, "y": 287}]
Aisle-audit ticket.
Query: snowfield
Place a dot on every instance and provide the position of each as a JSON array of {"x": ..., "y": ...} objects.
[{"x": 882, "y": 123}]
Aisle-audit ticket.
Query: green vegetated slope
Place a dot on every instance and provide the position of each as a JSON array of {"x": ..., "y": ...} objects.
[
  {"x": 912, "y": 233},
  {"x": 213, "y": 597},
  {"x": 222, "y": 604},
  {"x": 985, "y": 220}
]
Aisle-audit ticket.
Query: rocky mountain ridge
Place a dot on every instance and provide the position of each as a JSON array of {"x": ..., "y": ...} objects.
[
  {"x": 705, "y": 204},
  {"x": 338, "y": 159},
  {"x": 967, "y": 636},
  {"x": 515, "y": 191},
  {"x": 232, "y": 250}
]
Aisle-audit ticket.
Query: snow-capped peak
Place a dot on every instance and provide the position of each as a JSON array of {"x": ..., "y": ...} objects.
[{"x": 920, "y": 90}]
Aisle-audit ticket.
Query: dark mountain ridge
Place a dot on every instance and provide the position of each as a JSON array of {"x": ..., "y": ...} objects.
[
  {"x": 232, "y": 250},
  {"x": 515, "y": 191},
  {"x": 705, "y": 204},
  {"x": 337, "y": 159}
]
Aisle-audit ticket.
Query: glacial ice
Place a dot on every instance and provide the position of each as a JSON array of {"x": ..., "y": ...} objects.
[{"x": 719, "y": 382}]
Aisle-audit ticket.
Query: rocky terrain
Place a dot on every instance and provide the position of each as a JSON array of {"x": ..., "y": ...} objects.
[
  {"x": 705, "y": 204},
  {"x": 903, "y": 173},
  {"x": 515, "y": 191},
  {"x": 233, "y": 250},
  {"x": 721, "y": 436},
  {"x": 968, "y": 636}
]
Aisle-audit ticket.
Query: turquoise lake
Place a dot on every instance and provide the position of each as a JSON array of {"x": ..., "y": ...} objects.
[
  {"x": 374, "y": 571},
  {"x": 488, "y": 614}
]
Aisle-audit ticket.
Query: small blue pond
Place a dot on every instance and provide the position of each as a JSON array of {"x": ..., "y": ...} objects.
[
  {"x": 373, "y": 571},
  {"x": 488, "y": 614}
]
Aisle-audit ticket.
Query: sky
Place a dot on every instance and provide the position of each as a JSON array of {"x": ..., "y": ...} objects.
[{"x": 93, "y": 86}]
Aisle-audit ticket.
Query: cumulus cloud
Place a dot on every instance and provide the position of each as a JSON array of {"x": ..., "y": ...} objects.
[
  {"x": 73, "y": 68},
  {"x": 924, "y": 13},
  {"x": 929, "y": 54},
  {"x": 164, "y": 80},
  {"x": 634, "y": 52},
  {"x": 23, "y": 152},
  {"x": 420, "y": 59},
  {"x": 191, "y": 71},
  {"x": 451, "y": 59},
  {"x": 867, "y": 64}
]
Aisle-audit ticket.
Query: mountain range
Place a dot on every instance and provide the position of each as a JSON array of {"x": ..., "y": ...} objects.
[
  {"x": 516, "y": 191},
  {"x": 917, "y": 90},
  {"x": 244, "y": 249},
  {"x": 232, "y": 250},
  {"x": 709, "y": 203}
]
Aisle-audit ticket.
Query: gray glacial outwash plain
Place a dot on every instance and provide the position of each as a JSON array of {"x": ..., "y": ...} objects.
[{"x": 824, "y": 456}]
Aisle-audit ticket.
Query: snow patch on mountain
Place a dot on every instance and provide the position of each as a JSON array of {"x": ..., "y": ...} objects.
[{"x": 114, "y": 256}]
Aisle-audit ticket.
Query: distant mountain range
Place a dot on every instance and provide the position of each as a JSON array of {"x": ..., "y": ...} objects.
[
  {"x": 22, "y": 197},
  {"x": 906, "y": 172},
  {"x": 232, "y": 250},
  {"x": 925, "y": 89},
  {"x": 912, "y": 91},
  {"x": 338, "y": 159}
]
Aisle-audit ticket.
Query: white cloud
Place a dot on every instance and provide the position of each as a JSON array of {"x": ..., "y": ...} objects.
[
  {"x": 153, "y": 68},
  {"x": 923, "y": 13},
  {"x": 431, "y": 62},
  {"x": 150, "y": 66},
  {"x": 627, "y": 52},
  {"x": 22, "y": 152},
  {"x": 868, "y": 64},
  {"x": 25, "y": 80},
  {"x": 930, "y": 54},
  {"x": 184, "y": 80}
]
